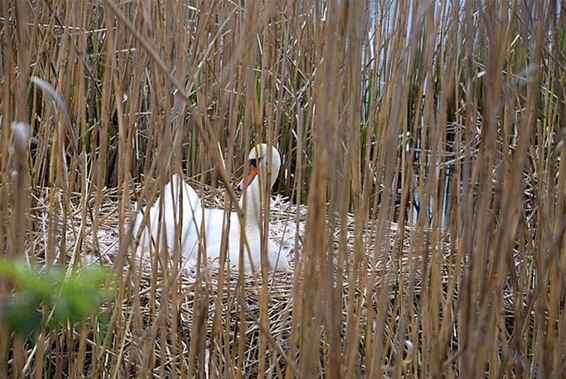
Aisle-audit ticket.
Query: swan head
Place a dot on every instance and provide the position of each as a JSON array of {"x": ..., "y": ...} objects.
[{"x": 263, "y": 161}]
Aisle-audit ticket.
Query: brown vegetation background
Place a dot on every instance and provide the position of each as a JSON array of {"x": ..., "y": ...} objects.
[{"x": 425, "y": 138}]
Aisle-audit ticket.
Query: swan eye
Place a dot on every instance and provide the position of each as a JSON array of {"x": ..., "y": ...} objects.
[{"x": 254, "y": 162}]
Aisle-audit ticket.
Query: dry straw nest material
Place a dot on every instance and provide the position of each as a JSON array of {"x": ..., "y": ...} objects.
[{"x": 146, "y": 302}]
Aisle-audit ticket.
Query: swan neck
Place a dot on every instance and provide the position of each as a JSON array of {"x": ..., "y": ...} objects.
[{"x": 252, "y": 199}]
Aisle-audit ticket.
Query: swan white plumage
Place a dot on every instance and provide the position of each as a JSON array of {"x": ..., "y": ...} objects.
[{"x": 179, "y": 206}]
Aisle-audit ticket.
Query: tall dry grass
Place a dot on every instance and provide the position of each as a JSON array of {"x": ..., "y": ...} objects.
[{"x": 426, "y": 140}]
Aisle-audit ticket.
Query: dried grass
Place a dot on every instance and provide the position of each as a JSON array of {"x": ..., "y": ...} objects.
[{"x": 422, "y": 190}]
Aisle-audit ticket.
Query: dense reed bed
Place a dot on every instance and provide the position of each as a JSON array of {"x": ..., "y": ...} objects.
[{"x": 423, "y": 185}]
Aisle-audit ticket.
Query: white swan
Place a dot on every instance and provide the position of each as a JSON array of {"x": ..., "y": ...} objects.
[{"x": 182, "y": 208}]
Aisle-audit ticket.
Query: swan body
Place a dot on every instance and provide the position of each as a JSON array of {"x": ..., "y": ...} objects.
[
  {"x": 179, "y": 212},
  {"x": 178, "y": 204}
]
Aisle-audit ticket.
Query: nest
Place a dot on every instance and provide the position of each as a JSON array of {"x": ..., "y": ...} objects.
[{"x": 210, "y": 316}]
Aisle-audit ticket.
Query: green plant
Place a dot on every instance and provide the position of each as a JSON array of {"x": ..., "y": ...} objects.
[{"x": 47, "y": 299}]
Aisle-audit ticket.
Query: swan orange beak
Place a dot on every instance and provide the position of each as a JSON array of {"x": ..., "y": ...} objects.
[{"x": 248, "y": 179}]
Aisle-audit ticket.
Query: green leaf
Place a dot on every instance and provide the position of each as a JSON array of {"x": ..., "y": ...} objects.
[{"x": 71, "y": 299}]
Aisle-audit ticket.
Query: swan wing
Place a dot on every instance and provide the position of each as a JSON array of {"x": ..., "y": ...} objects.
[{"x": 179, "y": 204}]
